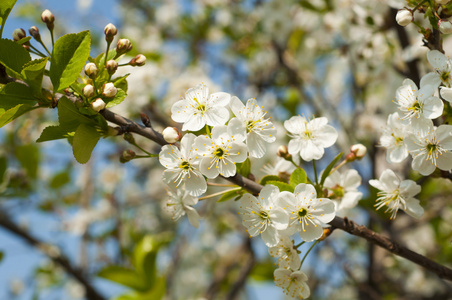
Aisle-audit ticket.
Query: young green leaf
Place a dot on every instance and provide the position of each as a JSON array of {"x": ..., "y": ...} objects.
[
  {"x": 298, "y": 176},
  {"x": 13, "y": 56},
  {"x": 231, "y": 195},
  {"x": 244, "y": 168},
  {"x": 282, "y": 186},
  {"x": 33, "y": 72},
  {"x": 68, "y": 58},
  {"x": 13, "y": 94},
  {"x": 29, "y": 157},
  {"x": 5, "y": 8},
  {"x": 69, "y": 116},
  {"x": 123, "y": 276},
  {"x": 85, "y": 139},
  {"x": 328, "y": 169},
  {"x": 268, "y": 178},
  {"x": 121, "y": 82},
  {"x": 119, "y": 97},
  {"x": 13, "y": 113},
  {"x": 51, "y": 133},
  {"x": 144, "y": 256}
]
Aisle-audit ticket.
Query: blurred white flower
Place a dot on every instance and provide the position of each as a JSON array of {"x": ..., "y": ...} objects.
[{"x": 293, "y": 283}]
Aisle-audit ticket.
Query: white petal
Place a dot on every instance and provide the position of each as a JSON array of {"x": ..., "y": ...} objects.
[
  {"x": 227, "y": 168},
  {"x": 201, "y": 145},
  {"x": 193, "y": 216},
  {"x": 389, "y": 180},
  {"x": 311, "y": 232},
  {"x": 397, "y": 154},
  {"x": 423, "y": 165},
  {"x": 351, "y": 199},
  {"x": 186, "y": 144},
  {"x": 433, "y": 107},
  {"x": 446, "y": 93},
  {"x": 444, "y": 161},
  {"x": 311, "y": 151},
  {"x": 239, "y": 152},
  {"x": 295, "y": 146},
  {"x": 326, "y": 136},
  {"x": 256, "y": 145},
  {"x": 444, "y": 135},
  {"x": 268, "y": 195},
  {"x": 431, "y": 78},
  {"x": 351, "y": 179},
  {"x": 194, "y": 123},
  {"x": 216, "y": 116},
  {"x": 437, "y": 60},
  {"x": 237, "y": 107},
  {"x": 413, "y": 208},
  {"x": 324, "y": 210},
  {"x": 181, "y": 111},
  {"x": 207, "y": 169},
  {"x": 279, "y": 218},
  {"x": 295, "y": 124},
  {"x": 219, "y": 99},
  {"x": 195, "y": 184},
  {"x": 169, "y": 156},
  {"x": 270, "y": 237},
  {"x": 237, "y": 129},
  {"x": 304, "y": 190}
]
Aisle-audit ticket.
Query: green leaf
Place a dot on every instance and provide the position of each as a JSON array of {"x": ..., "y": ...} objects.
[
  {"x": 23, "y": 40},
  {"x": 282, "y": 186},
  {"x": 59, "y": 180},
  {"x": 13, "y": 56},
  {"x": 69, "y": 55},
  {"x": 263, "y": 271},
  {"x": 328, "y": 169},
  {"x": 119, "y": 97},
  {"x": 51, "y": 133},
  {"x": 28, "y": 156},
  {"x": 298, "y": 176},
  {"x": 244, "y": 168},
  {"x": 144, "y": 256},
  {"x": 14, "y": 113},
  {"x": 85, "y": 139},
  {"x": 268, "y": 178},
  {"x": 15, "y": 93},
  {"x": 69, "y": 116},
  {"x": 33, "y": 72},
  {"x": 5, "y": 8},
  {"x": 121, "y": 82},
  {"x": 124, "y": 276},
  {"x": 231, "y": 195}
]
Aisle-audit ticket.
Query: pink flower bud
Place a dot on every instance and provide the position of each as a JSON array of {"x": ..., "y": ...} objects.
[
  {"x": 19, "y": 34},
  {"x": 34, "y": 32},
  {"x": 359, "y": 150},
  {"x": 88, "y": 90},
  {"x": 110, "y": 32},
  {"x": 123, "y": 46},
  {"x": 91, "y": 69},
  {"x": 138, "y": 60},
  {"x": 98, "y": 105},
  {"x": 47, "y": 16},
  {"x": 404, "y": 17},
  {"x": 111, "y": 66},
  {"x": 109, "y": 90},
  {"x": 171, "y": 135}
]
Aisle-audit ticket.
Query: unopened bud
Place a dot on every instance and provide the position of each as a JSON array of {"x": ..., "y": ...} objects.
[
  {"x": 98, "y": 105},
  {"x": 91, "y": 70},
  {"x": 34, "y": 32},
  {"x": 109, "y": 90},
  {"x": 445, "y": 26},
  {"x": 111, "y": 66},
  {"x": 19, "y": 34},
  {"x": 145, "y": 119},
  {"x": 404, "y": 17},
  {"x": 171, "y": 135},
  {"x": 110, "y": 32},
  {"x": 284, "y": 152},
  {"x": 88, "y": 91},
  {"x": 359, "y": 150},
  {"x": 123, "y": 46},
  {"x": 128, "y": 137},
  {"x": 127, "y": 155},
  {"x": 138, "y": 60},
  {"x": 48, "y": 18}
]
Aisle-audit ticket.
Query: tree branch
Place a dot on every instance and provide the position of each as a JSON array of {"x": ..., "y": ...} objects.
[{"x": 54, "y": 254}]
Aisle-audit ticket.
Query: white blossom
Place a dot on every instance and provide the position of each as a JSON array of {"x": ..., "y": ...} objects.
[
  {"x": 393, "y": 139},
  {"x": 182, "y": 166},
  {"x": 263, "y": 215},
  {"x": 344, "y": 190},
  {"x": 287, "y": 254},
  {"x": 443, "y": 68},
  {"x": 309, "y": 138},
  {"x": 293, "y": 283},
  {"x": 397, "y": 194},
  {"x": 199, "y": 108},
  {"x": 221, "y": 152},
  {"x": 252, "y": 122},
  {"x": 179, "y": 203},
  {"x": 307, "y": 212},
  {"x": 431, "y": 148}
]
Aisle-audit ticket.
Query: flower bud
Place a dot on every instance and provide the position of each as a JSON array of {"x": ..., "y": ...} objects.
[
  {"x": 404, "y": 17},
  {"x": 98, "y": 105},
  {"x": 127, "y": 155},
  {"x": 445, "y": 26},
  {"x": 145, "y": 119},
  {"x": 123, "y": 46},
  {"x": 19, "y": 34},
  {"x": 47, "y": 17},
  {"x": 109, "y": 90},
  {"x": 110, "y": 32},
  {"x": 171, "y": 135},
  {"x": 91, "y": 70},
  {"x": 111, "y": 66},
  {"x": 359, "y": 150},
  {"x": 34, "y": 32},
  {"x": 128, "y": 137},
  {"x": 88, "y": 91},
  {"x": 283, "y": 152},
  {"x": 138, "y": 60}
]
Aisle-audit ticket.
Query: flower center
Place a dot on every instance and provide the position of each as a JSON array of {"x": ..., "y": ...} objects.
[
  {"x": 302, "y": 213},
  {"x": 416, "y": 107},
  {"x": 338, "y": 191},
  {"x": 263, "y": 215},
  {"x": 219, "y": 152},
  {"x": 445, "y": 77},
  {"x": 185, "y": 165}
]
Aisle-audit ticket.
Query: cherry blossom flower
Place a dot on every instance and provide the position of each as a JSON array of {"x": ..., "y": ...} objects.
[
  {"x": 344, "y": 190},
  {"x": 179, "y": 203},
  {"x": 287, "y": 254},
  {"x": 307, "y": 212},
  {"x": 251, "y": 120},
  {"x": 263, "y": 215},
  {"x": 443, "y": 69},
  {"x": 199, "y": 108},
  {"x": 393, "y": 139},
  {"x": 431, "y": 148},
  {"x": 397, "y": 194},
  {"x": 309, "y": 138},
  {"x": 292, "y": 282},
  {"x": 418, "y": 106},
  {"x": 182, "y": 166},
  {"x": 221, "y": 152}
]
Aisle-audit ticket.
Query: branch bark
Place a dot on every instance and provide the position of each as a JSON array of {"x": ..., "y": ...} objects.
[{"x": 54, "y": 254}]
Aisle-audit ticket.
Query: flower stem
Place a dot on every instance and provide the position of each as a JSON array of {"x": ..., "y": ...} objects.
[
  {"x": 309, "y": 250},
  {"x": 221, "y": 184},
  {"x": 220, "y": 193},
  {"x": 106, "y": 54},
  {"x": 315, "y": 172},
  {"x": 298, "y": 245}
]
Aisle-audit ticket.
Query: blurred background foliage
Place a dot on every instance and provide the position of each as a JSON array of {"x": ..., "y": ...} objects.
[{"x": 342, "y": 59}]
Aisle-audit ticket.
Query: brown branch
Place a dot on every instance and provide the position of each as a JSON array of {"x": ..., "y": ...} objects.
[{"x": 54, "y": 254}]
